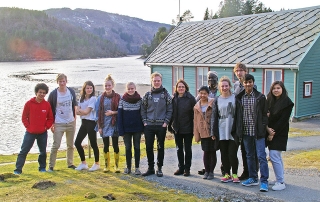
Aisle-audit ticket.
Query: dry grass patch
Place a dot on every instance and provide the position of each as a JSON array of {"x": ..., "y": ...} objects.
[
  {"x": 296, "y": 132},
  {"x": 302, "y": 159}
]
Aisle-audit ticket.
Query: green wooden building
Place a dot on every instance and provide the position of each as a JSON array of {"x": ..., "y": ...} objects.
[{"x": 274, "y": 46}]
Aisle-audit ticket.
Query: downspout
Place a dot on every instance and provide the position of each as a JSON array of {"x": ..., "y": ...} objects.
[{"x": 294, "y": 94}]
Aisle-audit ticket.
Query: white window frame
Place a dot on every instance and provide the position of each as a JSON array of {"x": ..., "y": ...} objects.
[
  {"x": 267, "y": 88},
  {"x": 307, "y": 89},
  {"x": 204, "y": 71},
  {"x": 177, "y": 73}
]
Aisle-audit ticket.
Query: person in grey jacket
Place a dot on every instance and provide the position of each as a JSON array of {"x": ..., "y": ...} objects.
[{"x": 156, "y": 112}]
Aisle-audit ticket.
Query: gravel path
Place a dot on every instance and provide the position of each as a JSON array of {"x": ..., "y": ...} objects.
[{"x": 302, "y": 185}]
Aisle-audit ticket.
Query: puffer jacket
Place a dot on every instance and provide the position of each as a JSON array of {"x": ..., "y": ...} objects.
[{"x": 201, "y": 125}]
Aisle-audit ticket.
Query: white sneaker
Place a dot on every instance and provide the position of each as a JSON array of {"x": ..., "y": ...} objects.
[
  {"x": 278, "y": 186},
  {"x": 82, "y": 166},
  {"x": 95, "y": 167}
]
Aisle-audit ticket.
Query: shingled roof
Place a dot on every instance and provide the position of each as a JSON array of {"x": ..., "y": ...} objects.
[{"x": 276, "y": 38}]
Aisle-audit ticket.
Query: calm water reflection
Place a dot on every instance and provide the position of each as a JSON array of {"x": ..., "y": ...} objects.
[{"x": 16, "y": 91}]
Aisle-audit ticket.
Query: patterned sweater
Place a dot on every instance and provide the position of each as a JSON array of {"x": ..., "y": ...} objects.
[{"x": 129, "y": 118}]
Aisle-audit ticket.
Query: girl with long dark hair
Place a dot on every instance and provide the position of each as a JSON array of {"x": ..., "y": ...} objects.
[{"x": 280, "y": 107}]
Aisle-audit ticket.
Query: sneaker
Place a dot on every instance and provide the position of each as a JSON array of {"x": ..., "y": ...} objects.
[
  {"x": 94, "y": 167},
  {"x": 264, "y": 187},
  {"x": 137, "y": 171},
  {"x": 159, "y": 173},
  {"x": 72, "y": 167},
  {"x": 50, "y": 169},
  {"x": 250, "y": 182},
  {"x": 278, "y": 186},
  {"x": 42, "y": 170},
  {"x": 226, "y": 178},
  {"x": 178, "y": 172},
  {"x": 17, "y": 172},
  {"x": 205, "y": 176},
  {"x": 210, "y": 176},
  {"x": 244, "y": 176},
  {"x": 127, "y": 171},
  {"x": 149, "y": 172},
  {"x": 235, "y": 178},
  {"x": 82, "y": 166},
  {"x": 186, "y": 173}
]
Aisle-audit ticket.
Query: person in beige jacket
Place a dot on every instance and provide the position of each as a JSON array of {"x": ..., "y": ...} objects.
[{"x": 201, "y": 131}]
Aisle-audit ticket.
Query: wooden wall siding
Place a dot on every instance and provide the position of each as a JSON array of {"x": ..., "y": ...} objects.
[
  {"x": 309, "y": 70},
  {"x": 166, "y": 72},
  {"x": 190, "y": 78}
]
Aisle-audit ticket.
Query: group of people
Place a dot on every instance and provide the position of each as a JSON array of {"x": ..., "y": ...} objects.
[{"x": 244, "y": 117}]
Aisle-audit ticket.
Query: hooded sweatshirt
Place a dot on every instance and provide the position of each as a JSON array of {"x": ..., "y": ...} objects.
[{"x": 37, "y": 117}]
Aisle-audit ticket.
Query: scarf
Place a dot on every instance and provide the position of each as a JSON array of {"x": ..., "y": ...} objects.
[
  {"x": 131, "y": 98},
  {"x": 280, "y": 104},
  {"x": 157, "y": 90},
  {"x": 115, "y": 97}
]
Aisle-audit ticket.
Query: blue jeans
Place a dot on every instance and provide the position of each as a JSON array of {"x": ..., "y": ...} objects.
[
  {"x": 127, "y": 138},
  {"x": 255, "y": 146},
  {"x": 27, "y": 144},
  {"x": 149, "y": 134}
]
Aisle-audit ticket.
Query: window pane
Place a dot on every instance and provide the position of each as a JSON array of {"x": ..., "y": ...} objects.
[
  {"x": 268, "y": 81},
  {"x": 201, "y": 76},
  {"x": 180, "y": 73},
  {"x": 277, "y": 75}
]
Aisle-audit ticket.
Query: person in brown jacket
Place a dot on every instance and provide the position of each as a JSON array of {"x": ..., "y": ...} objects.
[{"x": 201, "y": 131}]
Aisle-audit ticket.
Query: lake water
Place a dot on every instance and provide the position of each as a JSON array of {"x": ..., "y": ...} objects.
[{"x": 19, "y": 78}]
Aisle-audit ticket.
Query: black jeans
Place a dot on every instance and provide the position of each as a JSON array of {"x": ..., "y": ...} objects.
[
  {"x": 87, "y": 127},
  {"x": 127, "y": 138},
  {"x": 149, "y": 133},
  {"x": 106, "y": 143},
  {"x": 184, "y": 150},
  {"x": 209, "y": 160},
  {"x": 229, "y": 159}
]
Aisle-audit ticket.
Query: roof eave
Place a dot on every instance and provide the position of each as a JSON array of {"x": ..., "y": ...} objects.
[{"x": 226, "y": 65}]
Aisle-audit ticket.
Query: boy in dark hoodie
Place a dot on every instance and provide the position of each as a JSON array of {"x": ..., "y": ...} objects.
[{"x": 37, "y": 117}]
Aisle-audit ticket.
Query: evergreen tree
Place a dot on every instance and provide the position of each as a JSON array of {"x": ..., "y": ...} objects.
[{"x": 206, "y": 15}]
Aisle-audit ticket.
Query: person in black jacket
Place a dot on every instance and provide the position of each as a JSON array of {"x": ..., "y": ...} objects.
[
  {"x": 280, "y": 107},
  {"x": 250, "y": 125},
  {"x": 182, "y": 126}
]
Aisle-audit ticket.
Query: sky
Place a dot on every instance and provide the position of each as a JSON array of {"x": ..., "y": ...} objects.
[{"x": 152, "y": 10}]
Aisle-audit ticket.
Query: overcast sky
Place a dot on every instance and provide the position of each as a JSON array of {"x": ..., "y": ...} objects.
[{"x": 152, "y": 10}]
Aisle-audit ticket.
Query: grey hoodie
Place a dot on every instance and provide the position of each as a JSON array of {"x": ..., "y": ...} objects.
[{"x": 156, "y": 108}]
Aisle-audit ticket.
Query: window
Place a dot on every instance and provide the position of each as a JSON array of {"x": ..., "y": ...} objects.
[
  {"x": 307, "y": 89},
  {"x": 177, "y": 73},
  {"x": 269, "y": 77},
  {"x": 202, "y": 79}
]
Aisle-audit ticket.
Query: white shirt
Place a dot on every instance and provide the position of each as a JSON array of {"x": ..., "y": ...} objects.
[
  {"x": 64, "y": 113},
  {"x": 89, "y": 103}
]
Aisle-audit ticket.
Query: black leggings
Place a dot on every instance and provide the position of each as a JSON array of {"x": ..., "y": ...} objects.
[
  {"x": 115, "y": 144},
  {"x": 87, "y": 127},
  {"x": 229, "y": 158},
  {"x": 209, "y": 160}
]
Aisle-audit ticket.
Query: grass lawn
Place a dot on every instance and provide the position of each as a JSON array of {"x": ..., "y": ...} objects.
[{"x": 73, "y": 185}]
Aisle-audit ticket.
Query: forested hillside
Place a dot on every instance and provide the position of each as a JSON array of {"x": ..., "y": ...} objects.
[
  {"x": 27, "y": 35},
  {"x": 128, "y": 33}
]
